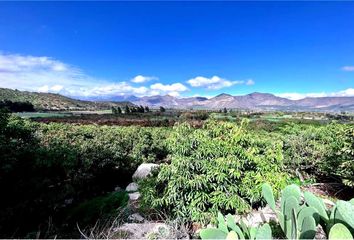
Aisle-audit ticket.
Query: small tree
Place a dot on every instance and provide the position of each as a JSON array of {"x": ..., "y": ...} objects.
[
  {"x": 119, "y": 110},
  {"x": 162, "y": 109},
  {"x": 225, "y": 110},
  {"x": 141, "y": 109},
  {"x": 114, "y": 110},
  {"x": 127, "y": 109},
  {"x": 147, "y": 109}
]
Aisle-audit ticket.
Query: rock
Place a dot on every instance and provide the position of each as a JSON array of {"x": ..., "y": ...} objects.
[
  {"x": 136, "y": 217},
  {"x": 132, "y": 187},
  {"x": 117, "y": 189},
  {"x": 134, "y": 196},
  {"x": 257, "y": 217},
  {"x": 149, "y": 230},
  {"x": 144, "y": 170}
]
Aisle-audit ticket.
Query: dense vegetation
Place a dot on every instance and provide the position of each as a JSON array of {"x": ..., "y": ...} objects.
[
  {"x": 46, "y": 168},
  {"x": 217, "y": 168},
  {"x": 58, "y": 174},
  {"x": 17, "y": 106}
]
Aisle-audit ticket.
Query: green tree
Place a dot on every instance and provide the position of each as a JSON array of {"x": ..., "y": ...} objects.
[
  {"x": 162, "y": 109},
  {"x": 127, "y": 109}
]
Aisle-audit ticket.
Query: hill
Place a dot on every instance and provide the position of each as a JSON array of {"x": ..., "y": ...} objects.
[
  {"x": 51, "y": 101},
  {"x": 256, "y": 101}
]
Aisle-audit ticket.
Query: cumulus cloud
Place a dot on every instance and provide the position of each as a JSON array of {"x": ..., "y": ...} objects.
[
  {"x": 171, "y": 89},
  {"x": 348, "y": 68},
  {"x": 45, "y": 74},
  {"x": 142, "y": 79},
  {"x": 349, "y": 92},
  {"x": 250, "y": 82},
  {"x": 215, "y": 82}
]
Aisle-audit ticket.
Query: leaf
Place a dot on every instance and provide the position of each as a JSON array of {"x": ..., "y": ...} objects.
[
  {"x": 307, "y": 212},
  {"x": 212, "y": 233},
  {"x": 264, "y": 232},
  {"x": 231, "y": 224},
  {"x": 253, "y": 232},
  {"x": 291, "y": 190},
  {"x": 268, "y": 195},
  {"x": 315, "y": 202},
  {"x": 345, "y": 213},
  {"x": 308, "y": 228},
  {"x": 232, "y": 236},
  {"x": 221, "y": 223},
  {"x": 339, "y": 232}
]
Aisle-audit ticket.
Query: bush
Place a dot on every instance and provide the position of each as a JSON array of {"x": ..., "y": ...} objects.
[
  {"x": 46, "y": 167},
  {"x": 218, "y": 168},
  {"x": 317, "y": 149}
]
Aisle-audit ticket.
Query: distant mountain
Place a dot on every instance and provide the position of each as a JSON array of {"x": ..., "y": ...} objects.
[
  {"x": 50, "y": 101},
  {"x": 256, "y": 100}
]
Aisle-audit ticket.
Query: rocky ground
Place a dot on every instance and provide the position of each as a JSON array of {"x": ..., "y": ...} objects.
[{"x": 139, "y": 227}]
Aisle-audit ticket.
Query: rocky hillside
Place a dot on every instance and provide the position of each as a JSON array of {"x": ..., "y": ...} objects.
[
  {"x": 260, "y": 101},
  {"x": 50, "y": 101}
]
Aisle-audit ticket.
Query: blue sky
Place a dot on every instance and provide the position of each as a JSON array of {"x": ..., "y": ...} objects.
[{"x": 92, "y": 49}]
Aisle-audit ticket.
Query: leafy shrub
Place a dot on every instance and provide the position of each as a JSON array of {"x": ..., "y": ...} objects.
[
  {"x": 104, "y": 206},
  {"x": 316, "y": 149},
  {"x": 45, "y": 166},
  {"x": 218, "y": 168}
]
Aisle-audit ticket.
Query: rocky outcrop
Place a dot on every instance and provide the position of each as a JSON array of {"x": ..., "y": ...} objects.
[
  {"x": 144, "y": 170},
  {"x": 132, "y": 187}
]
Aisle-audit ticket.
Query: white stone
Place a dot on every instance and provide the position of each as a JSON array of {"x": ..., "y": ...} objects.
[
  {"x": 136, "y": 217},
  {"x": 144, "y": 170},
  {"x": 132, "y": 187},
  {"x": 142, "y": 230},
  {"x": 134, "y": 196}
]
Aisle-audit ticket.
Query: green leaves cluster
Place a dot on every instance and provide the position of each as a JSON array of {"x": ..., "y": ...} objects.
[
  {"x": 220, "y": 167},
  {"x": 316, "y": 149},
  {"x": 299, "y": 219},
  {"x": 46, "y": 167},
  {"x": 230, "y": 230}
]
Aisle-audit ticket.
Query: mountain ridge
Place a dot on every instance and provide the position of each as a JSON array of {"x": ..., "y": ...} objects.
[
  {"x": 253, "y": 101},
  {"x": 54, "y": 101}
]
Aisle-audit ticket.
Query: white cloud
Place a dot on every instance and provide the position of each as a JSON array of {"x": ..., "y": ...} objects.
[
  {"x": 44, "y": 74},
  {"x": 39, "y": 73},
  {"x": 170, "y": 89},
  {"x": 175, "y": 87},
  {"x": 215, "y": 82},
  {"x": 46, "y": 88},
  {"x": 296, "y": 96},
  {"x": 348, "y": 68},
  {"x": 250, "y": 82},
  {"x": 142, "y": 79}
]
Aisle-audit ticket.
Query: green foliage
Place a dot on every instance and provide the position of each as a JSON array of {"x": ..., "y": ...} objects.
[
  {"x": 299, "y": 220},
  {"x": 231, "y": 231},
  {"x": 339, "y": 232},
  {"x": 316, "y": 149},
  {"x": 220, "y": 167},
  {"x": 45, "y": 167},
  {"x": 104, "y": 206}
]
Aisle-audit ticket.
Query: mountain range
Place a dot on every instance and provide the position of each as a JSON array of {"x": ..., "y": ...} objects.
[{"x": 254, "y": 101}]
